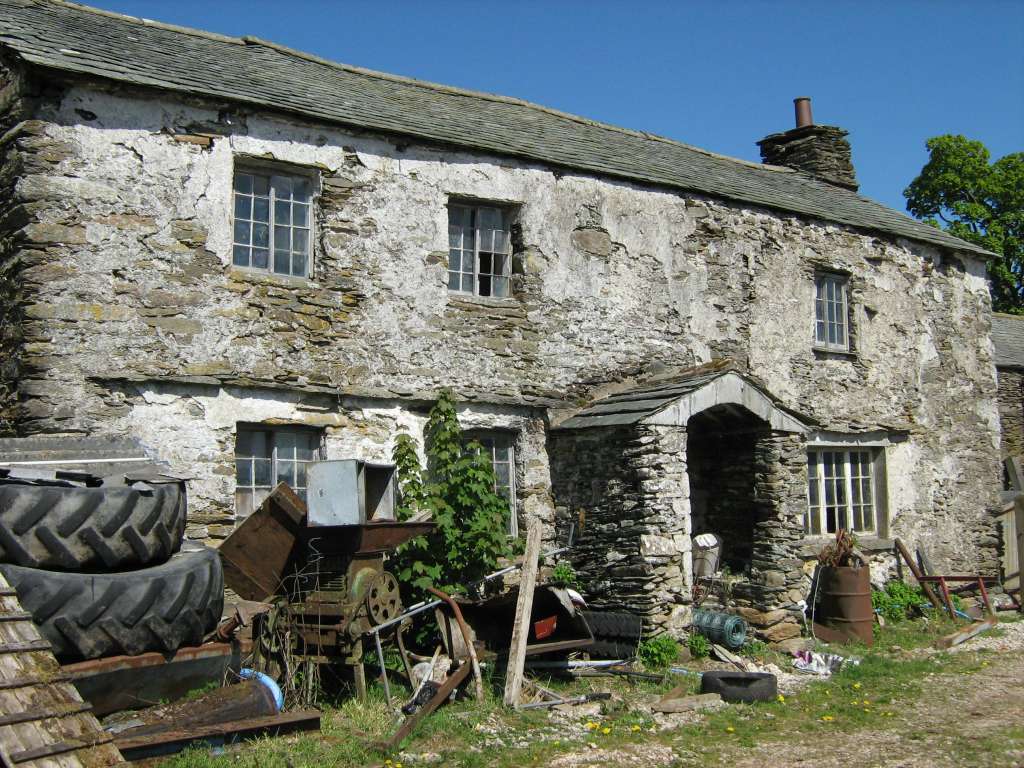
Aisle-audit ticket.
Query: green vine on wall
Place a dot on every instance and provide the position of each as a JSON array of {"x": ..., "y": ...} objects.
[{"x": 457, "y": 488}]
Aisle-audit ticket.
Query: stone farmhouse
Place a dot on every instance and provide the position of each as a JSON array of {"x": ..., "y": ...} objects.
[{"x": 250, "y": 258}]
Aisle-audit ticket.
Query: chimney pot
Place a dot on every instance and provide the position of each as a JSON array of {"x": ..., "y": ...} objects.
[{"x": 802, "y": 105}]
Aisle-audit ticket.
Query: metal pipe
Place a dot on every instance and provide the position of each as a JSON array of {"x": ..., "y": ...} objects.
[
  {"x": 383, "y": 670},
  {"x": 802, "y": 107},
  {"x": 574, "y": 664},
  {"x": 421, "y": 607}
]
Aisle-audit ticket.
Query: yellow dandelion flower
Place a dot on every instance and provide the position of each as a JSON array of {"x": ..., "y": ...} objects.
[
  {"x": 591, "y": 726},
  {"x": 780, "y": 698},
  {"x": 606, "y": 730},
  {"x": 635, "y": 728},
  {"x": 827, "y": 718},
  {"x": 856, "y": 686},
  {"x": 730, "y": 729},
  {"x": 866, "y": 709}
]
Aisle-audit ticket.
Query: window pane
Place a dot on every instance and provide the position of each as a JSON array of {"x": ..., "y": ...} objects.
[
  {"x": 282, "y": 238},
  {"x": 240, "y": 256},
  {"x": 261, "y": 185},
  {"x": 453, "y": 281},
  {"x": 286, "y": 472},
  {"x": 501, "y": 287},
  {"x": 243, "y": 471},
  {"x": 454, "y": 236},
  {"x": 485, "y": 264},
  {"x": 282, "y": 187},
  {"x": 260, "y": 258},
  {"x": 251, "y": 443},
  {"x": 242, "y": 232},
  {"x": 489, "y": 218},
  {"x": 299, "y": 265},
  {"x": 261, "y": 235},
  {"x": 454, "y": 260},
  {"x": 261, "y": 472},
  {"x": 282, "y": 262},
  {"x": 301, "y": 189},
  {"x": 300, "y": 240},
  {"x": 500, "y": 264},
  {"x": 282, "y": 212},
  {"x": 300, "y": 474},
  {"x": 300, "y": 215},
  {"x": 243, "y": 183},
  {"x": 485, "y": 285},
  {"x": 467, "y": 283},
  {"x": 243, "y": 207},
  {"x": 261, "y": 209}
]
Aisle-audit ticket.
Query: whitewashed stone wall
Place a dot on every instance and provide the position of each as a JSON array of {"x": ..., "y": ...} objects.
[{"x": 124, "y": 312}]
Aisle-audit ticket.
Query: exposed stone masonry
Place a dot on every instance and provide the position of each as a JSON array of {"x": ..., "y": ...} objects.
[
  {"x": 821, "y": 150},
  {"x": 123, "y": 314},
  {"x": 1011, "y": 411}
]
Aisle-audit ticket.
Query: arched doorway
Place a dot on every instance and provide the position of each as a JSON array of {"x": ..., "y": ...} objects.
[{"x": 723, "y": 464}]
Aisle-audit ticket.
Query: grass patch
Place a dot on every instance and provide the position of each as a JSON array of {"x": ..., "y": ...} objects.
[{"x": 866, "y": 698}]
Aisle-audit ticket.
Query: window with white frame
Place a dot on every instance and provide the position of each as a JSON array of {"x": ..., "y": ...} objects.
[
  {"x": 273, "y": 222},
  {"x": 266, "y": 456},
  {"x": 842, "y": 490},
  {"x": 500, "y": 448},
  {"x": 479, "y": 250},
  {"x": 831, "y": 313}
]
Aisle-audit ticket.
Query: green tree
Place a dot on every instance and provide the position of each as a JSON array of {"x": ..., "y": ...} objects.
[
  {"x": 980, "y": 202},
  {"x": 471, "y": 532}
]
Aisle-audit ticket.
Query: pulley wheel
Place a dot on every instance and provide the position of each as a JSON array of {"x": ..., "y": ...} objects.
[{"x": 382, "y": 600}]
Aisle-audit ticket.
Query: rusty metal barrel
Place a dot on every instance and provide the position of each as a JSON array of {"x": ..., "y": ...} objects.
[{"x": 845, "y": 601}]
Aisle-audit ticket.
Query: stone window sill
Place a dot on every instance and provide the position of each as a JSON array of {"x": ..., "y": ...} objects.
[
  {"x": 812, "y": 545},
  {"x": 465, "y": 299},
  {"x": 256, "y": 277},
  {"x": 834, "y": 354}
]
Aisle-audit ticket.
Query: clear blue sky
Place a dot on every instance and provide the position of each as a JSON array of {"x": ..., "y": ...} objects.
[{"x": 718, "y": 75}]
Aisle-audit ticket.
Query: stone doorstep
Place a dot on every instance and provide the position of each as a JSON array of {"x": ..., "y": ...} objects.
[{"x": 694, "y": 703}]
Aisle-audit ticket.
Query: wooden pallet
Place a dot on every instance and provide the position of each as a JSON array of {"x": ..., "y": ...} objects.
[{"x": 44, "y": 723}]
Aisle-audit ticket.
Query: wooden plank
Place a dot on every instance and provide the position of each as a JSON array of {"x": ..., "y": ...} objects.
[
  {"x": 450, "y": 684},
  {"x": 965, "y": 634},
  {"x": 168, "y": 743},
  {"x": 524, "y": 607}
]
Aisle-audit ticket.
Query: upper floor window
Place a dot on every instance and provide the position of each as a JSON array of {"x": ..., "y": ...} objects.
[
  {"x": 266, "y": 456},
  {"x": 272, "y": 222},
  {"x": 500, "y": 448},
  {"x": 831, "y": 313},
  {"x": 479, "y": 250},
  {"x": 841, "y": 491}
]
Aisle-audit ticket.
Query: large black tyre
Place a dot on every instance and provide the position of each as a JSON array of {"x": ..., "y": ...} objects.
[
  {"x": 616, "y": 635},
  {"x": 80, "y": 529},
  {"x": 85, "y": 616},
  {"x": 740, "y": 686}
]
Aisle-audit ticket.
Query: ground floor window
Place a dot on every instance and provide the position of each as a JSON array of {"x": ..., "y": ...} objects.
[
  {"x": 841, "y": 491},
  {"x": 266, "y": 456},
  {"x": 500, "y": 447}
]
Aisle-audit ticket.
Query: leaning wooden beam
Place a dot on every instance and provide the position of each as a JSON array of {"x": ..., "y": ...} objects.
[
  {"x": 932, "y": 598},
  {"x": 965, "y": 634},
  {"x": 524, "y": 607},
  {"x": 450, "y": 684}
]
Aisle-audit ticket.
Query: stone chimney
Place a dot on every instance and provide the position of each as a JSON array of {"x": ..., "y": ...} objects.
[{"x": 820, "y": 150}]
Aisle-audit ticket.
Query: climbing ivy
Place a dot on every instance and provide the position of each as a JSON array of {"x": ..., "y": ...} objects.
[{"x": 458, "y": 490}]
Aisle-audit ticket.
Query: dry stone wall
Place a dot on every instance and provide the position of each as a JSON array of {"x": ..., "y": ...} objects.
[
  {"x": 127, "y": 293},
  {"x": 1011, "y": 411}
]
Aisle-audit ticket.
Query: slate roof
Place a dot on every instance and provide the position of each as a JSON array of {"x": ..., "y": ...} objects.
[
  {"x": 639, "y": 402},
  {"x": 1008, "y": 338},
  {"x": 76, "y": 39},
  {"x": 635, "y": 405}
]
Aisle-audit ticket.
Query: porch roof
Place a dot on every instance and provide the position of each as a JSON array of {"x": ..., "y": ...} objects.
[{"x": 673, "y": 402}]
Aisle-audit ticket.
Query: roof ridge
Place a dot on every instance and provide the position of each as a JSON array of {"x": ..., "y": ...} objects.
[
  {"x": 143, "y": 20},
  {"x": 247, "y": 40}
]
